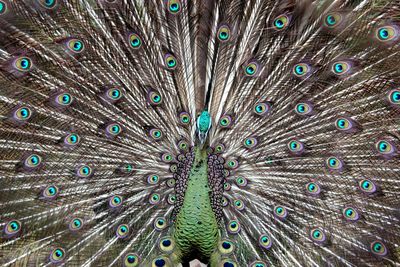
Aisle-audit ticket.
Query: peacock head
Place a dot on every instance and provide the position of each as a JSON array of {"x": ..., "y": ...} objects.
[{"x": 203, "y": 125}]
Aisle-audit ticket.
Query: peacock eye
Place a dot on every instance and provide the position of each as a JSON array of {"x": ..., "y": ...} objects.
[
  {"x": 75, "y": 224},
  {"x": 394, "y": 97},
  {"x": 153, "y": 179},
  {"x": 75, "y": 45},
  {"x": 135, "y": 41},
  {"x": 241, "y": 181},
  {"x": 303, "y": 108},
  {"x": 72, "y": 139},
  {"x": 219, "y": 148},
  {"x": 238, "y": 204},
  {"x": 12, "y": 228},
  {"x": 160, "y": 262},
  {"x": 281, "y": 22},
  {"x": 317, "y": 235},
  {"x": 174, "y": 6},
  {"x": 334, "y": 163},
  {"x": 126, "y": 168},
  {"x": 160, "y": 223},
  {"x": 232, "y": 164},
  {"x": 154, "y": 198},
  {"x": 166, "y": 157},
  {"x": 343, "y": 124},
  {"x": 156, "y": 134},
  {"x": 49, "y": 4},
  {"x": 280, "y": 212},
  {"x": 170, "y": 61},
  {"x": 350, "y": 214},
  {"x": 131, "y": 260},
  {"x": 3, "y": 8},
  {"x": 57, "y": 255},
  {"x": 384, "y": 147},
  {"x": 250, "y": 142},
  {"x": 171, "y": 199},
  {"x": 333, "y": 19},
  {"x": 173, "y": 168},
  {"x": 115, "y": 201},
  {"x": 113, "y": 129},
  {"x": 313, "y": 188},
  {"x": 154, "y": 98},
  {"x": 341, "y": 67},
  {"x": 233, "y": 227},
  {"x": 378, "y": 248},
  {"x": 265, "y": 241},
  {"x": 226, "y": 247},
  {"x": 251, "y": 68},
  {"x": 295, "y": 146},
  {"x": 228, "y": 263},
  {"x": 33, "y": 161},
  {"x": 84, "y": 171},
  {"x": 301, "y": 69},
  {"x": 64, "y": 99},
  {"x": 114, "y": 94},
  {"x": 22, "y": 113},
  {"x": 122, "y": 231},
  {"x": 225, "y": 121},
  {"x": 23, "y": 64},
  {"x": 258, "y": 264},
  {"x": 50, "y": 192},
  {"x": 224, "y": 33},
  {"x": 184, "y": 118},
  {"x": 225, "y": 201},
  {"x": 386, "y": 33},
  {"x": 367, "y": 186},
  {"x": 166, "y": 244},
  {"x": 262, "y": 108},
  {"x": 171, "y": 182}
]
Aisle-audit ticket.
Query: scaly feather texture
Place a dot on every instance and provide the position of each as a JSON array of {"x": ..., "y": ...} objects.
[{"x": 237, "y": 132}]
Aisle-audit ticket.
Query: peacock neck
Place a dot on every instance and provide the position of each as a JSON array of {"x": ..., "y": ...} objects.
[{"x": 196, "y": 228}]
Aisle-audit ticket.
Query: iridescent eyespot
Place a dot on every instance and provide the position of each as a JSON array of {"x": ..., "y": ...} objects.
[
  {"x": 153, "y": 179},
  {"x": 250, "y": 142},
  {"x": 166, "y": 157},
  {"x": 183, "y": 145},
  {"x": 226, "y": 173},
  {"x": 22, "y": 113},
  {"x": 174, "y": 6},
  {"x": 262, "y": 108},
  {"x": 50, "y": 192},
  {"x": 219, "y": 148},
  {"x": 303, "y": 108},
  {"x": 378, "y": 248},
  {"x": 394, "y": 97},
  {"x": 135, "y": 41},
  {"x": 114, "y": 94},
  {"x": 341, "y": 67},
  {"x": 265, "y": 241},
  {"x": 317, "y": 235},
  {"x": 227, "y": 186},
  {"x": 385, "y": 148},
  {"x": 258, "y": 264},
  {"x": 64, "y": 99},
  {"x": 367, "y": 186},
  {"x": 126, "y": 168},
  {"x": 184, "y": 118},
  {"x": 156, "y": 134},
  {"x": 227, "y": 263},
  {"x": 225, "y": 201},
  {"x": 332, "y": 20},
  {"x": 166, "y": 244},
  {"x": 295, "y": 147},
  {"x": 238, "y": 204},
  {"x": 171, "y": 199},
  {"x": 233, "y": 227},
  {"x": 232, "y": 164},
  {"x": 343, "y": 124},
  {"x": 154, "y": 198},
  {"x": 122, "y": 231},
  {"x": 251, "y": 68},
  {"x": 160, "y": 223},
  {"x": 72, "y": 139},
  {"x": 280, "y": 212},
  {"x": 225, "y": 121},
  {"x": 160, "y": 262},
  {"x": 23, "y": 64},
  {"x": 226, "y": 247},
  {"x": 154, "y": 98},
  {"x": 224, "y": 33},
  {"x": 386, "y": 33},
  {"x": 49, "y": 4},
  {"x": 313, "y": 188},
  {"x": 57, "y": 255},
  {"x": 75, "y": 224},
  {"x": 75, "y": 45},
  {"x": 334, "y": 163},
  {"x": 350, "y": 214},
  {"x": 115, "y": 201},
  {"x": 12, "y": 228},
  {"x": 281, "y": 22},
  {"x": 113, "y": 129},
  {"x": 171, "y": 182},
  {"x": 84, "y": 171},
  {"x": 173, "y": 168},
  {"x": 32, "y": 161},
  {"x": 3, "y": 8},
  {"x": 131, "y": 260},
  {"x": 170, "y": 61},
  {"x": 301, "y": 69},
  {"x": 241, "y": 181}
]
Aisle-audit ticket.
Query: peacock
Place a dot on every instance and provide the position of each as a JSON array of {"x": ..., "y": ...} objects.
[{"x": 233, "y": 132}]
